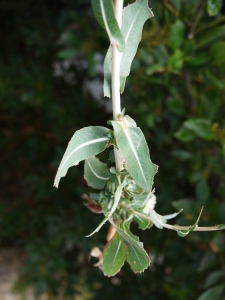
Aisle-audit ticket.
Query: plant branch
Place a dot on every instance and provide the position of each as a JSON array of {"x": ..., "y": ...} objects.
[
  {"x": 116, "y": 58},
  {"x": 177, "y": 227}
]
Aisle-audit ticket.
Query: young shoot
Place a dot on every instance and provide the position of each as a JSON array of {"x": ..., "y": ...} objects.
[{"x": 125, "y": 189}]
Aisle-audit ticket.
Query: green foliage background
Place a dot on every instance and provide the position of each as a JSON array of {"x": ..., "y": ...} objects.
[{"x": 50, "y": 86}]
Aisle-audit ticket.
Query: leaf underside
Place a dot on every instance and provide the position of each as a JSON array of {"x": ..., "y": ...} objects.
[{"x": 214, "y": 6}]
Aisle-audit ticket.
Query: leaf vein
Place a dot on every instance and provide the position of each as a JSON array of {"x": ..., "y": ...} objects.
[
  {"x": 83, "y": 145},
  {"x": 97, "y": 175}
]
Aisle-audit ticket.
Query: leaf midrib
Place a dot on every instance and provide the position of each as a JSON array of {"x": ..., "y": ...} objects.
[
  {"x": 83, "y": 145},
  {"x": 135, "y": 154},
  {"x": 97, "y": 175}
]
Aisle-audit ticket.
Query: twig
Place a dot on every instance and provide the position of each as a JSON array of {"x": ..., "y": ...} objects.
[
  {"x": 116, "y": 58},
  {"x": 175, "y": 227}
]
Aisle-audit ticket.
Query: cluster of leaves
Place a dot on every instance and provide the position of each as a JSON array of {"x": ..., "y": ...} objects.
[
  {"x": 126, "y": 191},
  {"x": 129, "y": 140},
  {"x": 40, "y": 110}
]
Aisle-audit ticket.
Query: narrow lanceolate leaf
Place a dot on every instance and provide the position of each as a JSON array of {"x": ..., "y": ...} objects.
[
  {"x": 192, "y": 228},
  {"x": 137, "y": 257},
  {"x": 112, "y": 209},
  {"x": 134, "y": 17},
  {"x": 87, "y": 142},
  {"x": 95, "y": 173},
  {"x": 114, "y": 255},
  {"x": 183, "y": 233},
  {"x": 104, "y": 13},
  {"x": 134, "y": 149}
]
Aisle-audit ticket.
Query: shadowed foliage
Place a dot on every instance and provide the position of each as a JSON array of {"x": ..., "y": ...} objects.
[{"x": 51, "y": 77}]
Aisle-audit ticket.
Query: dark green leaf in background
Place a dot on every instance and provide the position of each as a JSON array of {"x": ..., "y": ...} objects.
[
  {"x": 214, "y": 6},
  {"x": 195, "y": 127},
  {"x": 214, "y": 293},
  {"x": 202, "y": 191},
  {"x": 176, "y": 35},
  {"x": 217, "y": 52},
  {"x": 214, "y": 278}
]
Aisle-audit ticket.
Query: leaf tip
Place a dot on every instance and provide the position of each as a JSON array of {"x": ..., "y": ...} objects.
[{"x": 56, "y": 183}]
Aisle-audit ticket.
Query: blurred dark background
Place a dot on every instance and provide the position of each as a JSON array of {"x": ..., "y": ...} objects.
[{"x": 51, "y": 76}]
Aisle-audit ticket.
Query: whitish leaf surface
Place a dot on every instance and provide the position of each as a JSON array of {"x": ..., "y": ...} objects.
[
  {"x": 134, "y": 17},
  {"x": 136, "y": 256},
  {"x": 158, "y": 220},
  {"x": 87, "y": 142},
  {"x": 114, "y": 255},
  {"x": 112, "y": 209},
  {"x": 95, "y": 173},
  {"x": 104, "y": 13},
  {"x": 134, "y": 149}
]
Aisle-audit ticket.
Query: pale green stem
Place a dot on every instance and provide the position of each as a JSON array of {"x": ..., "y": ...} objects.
[
  {"x": 116, "y": 58},
  {"x": 173, "y": 227}
]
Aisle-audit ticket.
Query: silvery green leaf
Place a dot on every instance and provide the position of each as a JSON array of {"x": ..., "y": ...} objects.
[
  {"x": 134, "y": 17},
  {"x": 159, "y": 220},
  {"x": 104, "y": 13},
  {"x": 150, "y": 203},
  {"x": 114, "y": 255},
  {"x": 171, "y": 216},
  {"x": 95, "y": 173},
  {"x": 112, "y": 209},
  {"x": 136, "y": 255},
  {"x": 134, "y": 149},
  {"x": 86, "y": 142}
]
